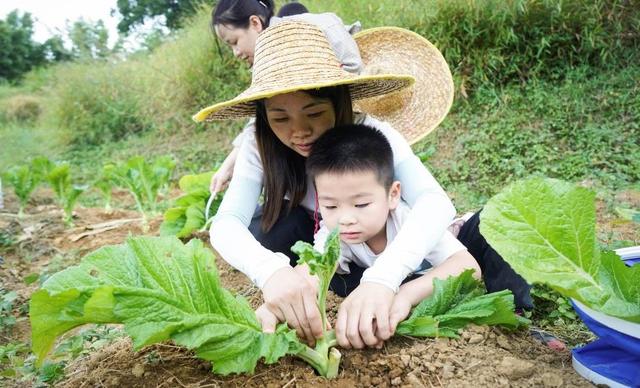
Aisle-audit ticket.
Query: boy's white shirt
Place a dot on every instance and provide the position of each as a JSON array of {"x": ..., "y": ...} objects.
[
  {"x": 232, "y": 239},
  {"x": 361, "y": 255}
]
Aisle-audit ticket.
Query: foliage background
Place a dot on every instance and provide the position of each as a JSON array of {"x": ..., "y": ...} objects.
[{"x": 542, "y": 86}]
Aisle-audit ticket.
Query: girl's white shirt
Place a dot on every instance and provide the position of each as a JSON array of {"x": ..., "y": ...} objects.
[{"x": 431, "y": 213}]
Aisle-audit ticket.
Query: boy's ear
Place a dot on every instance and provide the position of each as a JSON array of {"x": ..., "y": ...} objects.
[{"x": 394, "y": 195}]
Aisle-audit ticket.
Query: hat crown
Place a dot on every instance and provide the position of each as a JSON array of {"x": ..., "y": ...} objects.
[{"x": 294, "y": 53}]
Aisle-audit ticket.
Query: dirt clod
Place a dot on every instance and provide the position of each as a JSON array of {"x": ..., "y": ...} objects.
[
  {"x": 514, "y": 368},
  {"x": 476, "y": 339},
  {"x": 137, "y": 370},
  {"x": 551, "y": 380}
]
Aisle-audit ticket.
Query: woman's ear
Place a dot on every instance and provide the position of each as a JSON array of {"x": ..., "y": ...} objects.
[
  {"x": 394, "y": 195},
  {"x": 255, "y": 23}
]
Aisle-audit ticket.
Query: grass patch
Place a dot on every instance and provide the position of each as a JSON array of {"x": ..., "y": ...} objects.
[{"x": 583, "y": 127}]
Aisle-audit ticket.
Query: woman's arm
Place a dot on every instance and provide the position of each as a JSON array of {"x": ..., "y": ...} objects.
[
  {"x": 286, "y": 292},
  {"x": 431, "y": 213}
]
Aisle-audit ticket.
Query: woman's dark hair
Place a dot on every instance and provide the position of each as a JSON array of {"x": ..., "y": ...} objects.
[
  {"x": 284, "y": 170},
  {"x": 293, "y": 8},
  {"x": 236, "y": 13}
]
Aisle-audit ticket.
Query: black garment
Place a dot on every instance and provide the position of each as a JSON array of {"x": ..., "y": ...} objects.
[
  {"x": 496, "y": 273},
  {"x": 297, "y": 225}
]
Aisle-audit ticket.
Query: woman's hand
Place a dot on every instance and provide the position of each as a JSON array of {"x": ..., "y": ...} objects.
[
  {"x": 292, "y": 299},
  {"x": 220, "y": 180}
]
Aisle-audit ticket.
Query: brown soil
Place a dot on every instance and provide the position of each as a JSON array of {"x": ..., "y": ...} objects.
[{"x": 481, "y": 357}]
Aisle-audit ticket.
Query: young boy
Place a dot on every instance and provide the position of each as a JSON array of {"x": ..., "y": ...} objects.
[{"x": 352, "y": 169}]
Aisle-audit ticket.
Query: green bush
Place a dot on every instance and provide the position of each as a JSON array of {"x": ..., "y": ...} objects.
[
  {"x": 585, "y": 127},
  {"x": 98, "y": 103},
  {"x": 22, "y": 108},
  {"x": 497, "y": 41}
]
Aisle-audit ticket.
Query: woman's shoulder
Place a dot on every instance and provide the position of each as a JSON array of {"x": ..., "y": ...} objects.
[{"x": 383, "y": 126}]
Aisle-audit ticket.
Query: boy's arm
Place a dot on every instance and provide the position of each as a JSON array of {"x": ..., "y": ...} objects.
[{"x": 413, "y": 292}]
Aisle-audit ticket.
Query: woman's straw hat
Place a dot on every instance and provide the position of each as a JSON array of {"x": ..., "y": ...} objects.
[
  {"x": 414, "y": 111},
  {"x": 295, "y": 56}
]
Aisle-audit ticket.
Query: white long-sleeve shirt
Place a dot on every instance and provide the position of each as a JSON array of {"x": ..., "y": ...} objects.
[
  {"x": 431, "y": 212},
  {"x": 363, "y": 256}
]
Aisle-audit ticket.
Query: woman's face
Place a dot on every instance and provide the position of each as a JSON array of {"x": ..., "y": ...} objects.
[
  {"x": 298, "y": 119},
  {"x": 241, "y": 40}
]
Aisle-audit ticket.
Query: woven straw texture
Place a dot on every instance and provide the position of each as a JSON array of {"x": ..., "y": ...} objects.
[
  {"x": 296, "y": 56},
  {"x": 414, "y": 111}
]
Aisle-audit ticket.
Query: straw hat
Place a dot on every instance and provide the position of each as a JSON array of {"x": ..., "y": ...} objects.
[
  {"x": 295, "y": 56},
  {"x": 415, "y": 111}
]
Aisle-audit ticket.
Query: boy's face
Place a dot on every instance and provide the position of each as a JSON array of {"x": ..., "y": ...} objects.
[{"x": 356, "y": 203}]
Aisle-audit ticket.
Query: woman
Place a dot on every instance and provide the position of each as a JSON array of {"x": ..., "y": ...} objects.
[
  {"x": 238, "y": 23},
  {"x": 298, "y": 92}
]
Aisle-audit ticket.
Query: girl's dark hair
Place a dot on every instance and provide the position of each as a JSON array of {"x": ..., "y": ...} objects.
[
  {"x": 284, "y": 169},
  {"x": 236, "y": 13},
  {"x": 293, "y": 8}
]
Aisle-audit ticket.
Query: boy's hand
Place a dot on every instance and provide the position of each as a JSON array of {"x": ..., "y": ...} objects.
[
  {"x": 400, "y": 309},
  {"x": 268, "y": 320},
  {"x": 363, "y": 317}
]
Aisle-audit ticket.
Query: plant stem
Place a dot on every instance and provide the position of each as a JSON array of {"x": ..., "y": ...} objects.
[{"x": 324, "y": 358}]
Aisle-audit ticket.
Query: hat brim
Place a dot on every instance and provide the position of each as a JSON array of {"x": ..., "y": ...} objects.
[
  {"x": 360, "y": 87},
  {"x": 417, "y": 111}
]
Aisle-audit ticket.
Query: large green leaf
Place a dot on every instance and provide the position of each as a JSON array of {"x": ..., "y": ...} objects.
[
  {"x": 545, "y": 229},
  {"x": 457, "y": 302},
  {"x": 160, "y": 289}
]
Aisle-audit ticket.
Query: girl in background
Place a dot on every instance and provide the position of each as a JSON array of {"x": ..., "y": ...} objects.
[{"x": 238, "y": 23}]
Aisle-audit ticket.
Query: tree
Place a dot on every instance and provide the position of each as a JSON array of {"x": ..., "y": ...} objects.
[
  {"x": 89, "y": 41},
  {"x": 135, "y": 12},
  {"x": 18, "y": 52}
]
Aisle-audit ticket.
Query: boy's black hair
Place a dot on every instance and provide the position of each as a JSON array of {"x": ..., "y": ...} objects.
[
  {"x": 292, "y": 8},
  {"x": 352, "y": 148}
]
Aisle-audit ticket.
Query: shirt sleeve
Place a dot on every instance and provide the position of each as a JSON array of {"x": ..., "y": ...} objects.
[
  {"x": 431, "y": 213},
  {"x": 229, "y": 233},
  {"x": 338, "y": 35},
  {"x": 249, "y": 127},
  {"x": 445, "y": 248}
]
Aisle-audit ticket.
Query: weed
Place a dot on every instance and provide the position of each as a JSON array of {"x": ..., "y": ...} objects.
[
  {"x": 6, "y": 239},
  {"x": 7, "y": 299}
]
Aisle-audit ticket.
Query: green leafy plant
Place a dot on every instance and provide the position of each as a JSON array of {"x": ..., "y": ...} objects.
[
  {"x": 59, "y": 178},
  {"x": 143, "y": 180},
  {"x": 188, "y": 213},
  {"x": 457, "y": 302},
  {"x": 162, "y": 289},
  {"x": 26, "y": 177},
  {"x": 545, "y": 229},
  {"x": 24, "y": 181},
  {"x": 105, "y": 184},
  {"x": 324, "y": 266}
]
